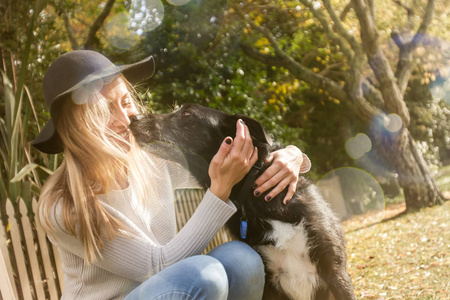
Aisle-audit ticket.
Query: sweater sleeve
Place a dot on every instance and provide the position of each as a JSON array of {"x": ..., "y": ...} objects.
[{"x": 134, "y": 255}]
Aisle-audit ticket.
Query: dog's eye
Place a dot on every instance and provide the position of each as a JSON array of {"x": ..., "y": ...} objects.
[{"x": 186, "y": 113}]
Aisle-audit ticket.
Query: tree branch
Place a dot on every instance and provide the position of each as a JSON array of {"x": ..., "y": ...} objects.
[
  {"x": 91, "y": 38},
  {"x": 286, "y": 61},
  {"x": 72, "y": 39},
  {"x": 345, "y": 11},
  {"x": 405, "y": 63},
  {"x": 426, "y": 21},
  {"x": 371, "y": 5},
  {"x": 329, "y": 68},
  {"x": 360, "y": 90},
  {"x": 392, "y": 95},
  {"x": 259, "y": 56},
  {"x": 397, "y": 38},
  {"x": 409, "y": 11},
  {"x": 358, "y": 59},
  {"x": 320, "y": 16}
]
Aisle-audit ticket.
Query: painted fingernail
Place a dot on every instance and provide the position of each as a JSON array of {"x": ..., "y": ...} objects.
[
  {"x": 254, "y": 186},
  {"x": 242, "y": 122},
  {"x": 257, "y": 193},
  {"x": 268, "y": 198},
  {"x": 228, "y": 141}
]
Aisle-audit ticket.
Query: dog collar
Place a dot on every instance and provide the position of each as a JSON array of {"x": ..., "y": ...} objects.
[{"x": 245, "y": 191}]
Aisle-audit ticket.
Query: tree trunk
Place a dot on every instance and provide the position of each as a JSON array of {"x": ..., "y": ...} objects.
[{"x": 419, "y": 187}]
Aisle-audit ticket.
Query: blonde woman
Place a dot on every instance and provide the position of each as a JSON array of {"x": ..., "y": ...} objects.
[{"x": 109, "y": 207}]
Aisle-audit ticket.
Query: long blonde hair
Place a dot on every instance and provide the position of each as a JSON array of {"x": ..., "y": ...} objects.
[{"x": 92, "y": 163}]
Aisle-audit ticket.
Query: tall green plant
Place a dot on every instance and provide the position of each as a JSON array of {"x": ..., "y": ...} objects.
[
  {"x": 14, "y": 126},
  {"x": 14, "y": 148}
]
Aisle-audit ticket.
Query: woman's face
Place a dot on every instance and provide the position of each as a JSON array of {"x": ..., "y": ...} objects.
[{"x": 121, "y": 107}]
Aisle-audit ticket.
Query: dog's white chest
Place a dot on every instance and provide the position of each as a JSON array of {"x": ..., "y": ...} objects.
[{"x": 289, "y": 261}]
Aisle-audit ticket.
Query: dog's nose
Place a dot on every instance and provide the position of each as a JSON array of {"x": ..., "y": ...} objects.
[{"x": 136, "y": 118}]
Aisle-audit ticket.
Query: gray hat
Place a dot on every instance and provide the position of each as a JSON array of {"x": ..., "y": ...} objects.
[{"x": 72, "y": 72}]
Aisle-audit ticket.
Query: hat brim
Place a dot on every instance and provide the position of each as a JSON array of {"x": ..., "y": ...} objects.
[{"x": 48, "y": 140}]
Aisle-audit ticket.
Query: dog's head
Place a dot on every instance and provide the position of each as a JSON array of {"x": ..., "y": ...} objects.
[{"x": 196, "y": 129}]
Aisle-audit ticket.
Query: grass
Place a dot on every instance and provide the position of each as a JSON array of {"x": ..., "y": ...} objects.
[{"x": 401, "y": 256}]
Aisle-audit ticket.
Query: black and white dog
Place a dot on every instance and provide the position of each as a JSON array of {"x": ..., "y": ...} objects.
[{"x": 301, "y": 243}]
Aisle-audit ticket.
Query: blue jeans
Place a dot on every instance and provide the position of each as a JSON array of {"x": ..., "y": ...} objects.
[{"x": 230, "y": 271}]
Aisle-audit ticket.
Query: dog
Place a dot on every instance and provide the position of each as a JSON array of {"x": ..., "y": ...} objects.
[{"x": 302, "y": 243}]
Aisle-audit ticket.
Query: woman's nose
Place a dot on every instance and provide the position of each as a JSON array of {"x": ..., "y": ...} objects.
[{"x": 121, "y": 117}]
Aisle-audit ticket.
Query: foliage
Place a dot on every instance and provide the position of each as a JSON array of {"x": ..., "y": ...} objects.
[
  {"x": 429, "y": 122},
  {"x": 217, "y": 75},
  {"x": 16, "y": 121},
  {"x": 15, "y": 149},
  {"x": 443, "y": 180}
]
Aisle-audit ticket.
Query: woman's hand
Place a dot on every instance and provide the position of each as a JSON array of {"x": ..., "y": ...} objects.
[
  {"x": 232, "y": 162},
  {"x": 286, "y": 166}
]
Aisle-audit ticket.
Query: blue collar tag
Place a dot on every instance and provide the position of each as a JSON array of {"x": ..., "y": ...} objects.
[{"x": 243, "y": 229}]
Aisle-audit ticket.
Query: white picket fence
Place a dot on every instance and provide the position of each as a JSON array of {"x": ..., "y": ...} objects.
[{"x": 30, "y": 266}]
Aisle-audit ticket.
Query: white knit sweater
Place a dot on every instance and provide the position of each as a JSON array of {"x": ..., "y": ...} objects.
[{"x": 151, "y": 245}]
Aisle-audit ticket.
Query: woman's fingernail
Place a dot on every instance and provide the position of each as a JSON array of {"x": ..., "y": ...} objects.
[
  {"x": 228, "y": 141},
  {"x": 257, "y": 193},
  {"x": 242, "y": 122},
  {"x": 268, "y": 198},
  {"x": 254, "y": 186}
]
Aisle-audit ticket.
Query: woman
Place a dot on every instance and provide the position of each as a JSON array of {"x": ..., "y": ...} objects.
[{"x": 109, "y": 207}]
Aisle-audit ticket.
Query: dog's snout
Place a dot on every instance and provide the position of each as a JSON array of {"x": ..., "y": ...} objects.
[{"x": 135, "y": 118}]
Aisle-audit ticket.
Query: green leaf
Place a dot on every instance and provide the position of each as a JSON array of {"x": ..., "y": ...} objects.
[
  {"x": 25, "y": 194},
  {"x": 3, "y": 190},
  {"x": 4, "y": 140},
  {"x": 25, "y": 171},
  {"x": 16, "y": 144},
  {"x": 9, "y": 104},
  {"x": 48, "y": 171},
  {"x": 35, "y": 189}
]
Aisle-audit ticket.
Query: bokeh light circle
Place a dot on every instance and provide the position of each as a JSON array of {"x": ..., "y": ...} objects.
[
  {"x": 352, "y": 192},
  {"x": 125, "y": 29},
  {"x": 446, "y": 97},
  {"x": 89, "y": 92},
  {"x": 357, "y": 146},
  {"x": 145, "y": 15},
  {"x": 447, "y": 85},
  {"x": 438, "y": 92},
  {"x": 393, "y": 123},
  {"x": 120, "y": 35},
  {"x": 177, "y": 160}
]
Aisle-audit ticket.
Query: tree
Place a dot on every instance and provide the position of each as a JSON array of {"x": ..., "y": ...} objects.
[{"x": 374, "y": 98}]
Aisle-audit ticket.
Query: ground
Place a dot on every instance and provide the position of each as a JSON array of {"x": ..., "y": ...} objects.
[{"x": 401, "y": 256}]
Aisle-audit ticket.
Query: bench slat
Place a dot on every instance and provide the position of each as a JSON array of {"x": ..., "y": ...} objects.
[
  {"x": 18, "y": 253},
  {"x": 32, "y": 256}
]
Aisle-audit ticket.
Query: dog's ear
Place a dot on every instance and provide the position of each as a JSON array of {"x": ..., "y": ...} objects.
[
  {"x": 228, "y": 128},
  {"x": 256, "y": 130}
]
